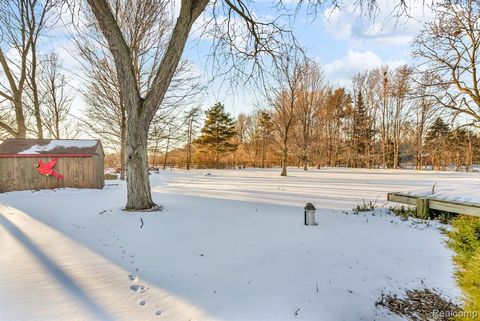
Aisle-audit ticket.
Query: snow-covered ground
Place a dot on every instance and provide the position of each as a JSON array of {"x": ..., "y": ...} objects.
[
  {"x": 457, "y": 193},
  {"x": 227, "y": 246}
]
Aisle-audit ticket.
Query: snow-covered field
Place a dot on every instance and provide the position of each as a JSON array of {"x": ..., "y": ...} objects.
[{"x": 227, "y": 246}]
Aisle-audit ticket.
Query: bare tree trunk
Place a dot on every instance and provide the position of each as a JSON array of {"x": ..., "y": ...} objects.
[
  {"x": 34, "y": 87},
  {"x": 166, "y": 150},
  {"x": 122, "y": 160},
  {"x": 16, "y": 98},
  {"x": 123, "y": 138},
  {"x": 470, "y": 153},
  {"x": 20, "y": 118},
  {"x": 138, "y": 184},
  {"x": 263, "y": 153},
  {"x": 140, "y": 110},
  {"x": 189, "y": 143},
  {"x": 285, "y": 157}
]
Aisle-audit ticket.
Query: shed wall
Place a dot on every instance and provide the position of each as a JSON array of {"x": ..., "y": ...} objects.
[{"x": 20, "y": 173}]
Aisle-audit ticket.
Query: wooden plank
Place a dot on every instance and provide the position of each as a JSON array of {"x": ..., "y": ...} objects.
[
  {"x": 435, "y": 204},
  {"x": 455, "y": 207},
  {"x": 402, "y": 198},
  {"x": 423, "y": 209}
]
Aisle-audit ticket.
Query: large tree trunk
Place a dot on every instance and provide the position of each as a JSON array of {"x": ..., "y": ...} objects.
[
  {"x": 138, "y": 184},
  {"x": 123, "y": 138},
  {"x": 20, "y": 118},
  {"x": 122, "y": 159},
  {"x": 140, "y": 110}
]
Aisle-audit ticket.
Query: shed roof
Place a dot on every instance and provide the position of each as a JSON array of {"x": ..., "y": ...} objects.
[{"x": 19, "y": 147}]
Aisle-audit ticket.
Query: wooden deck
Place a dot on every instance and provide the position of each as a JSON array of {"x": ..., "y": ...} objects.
[{"x": 435, "y": 204}]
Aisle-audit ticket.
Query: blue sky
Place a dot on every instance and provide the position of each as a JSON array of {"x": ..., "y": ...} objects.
[{"x": 343, "y": 41}]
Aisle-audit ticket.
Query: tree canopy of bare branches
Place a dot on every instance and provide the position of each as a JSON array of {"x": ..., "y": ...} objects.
[{"x": 449, "y": 48}]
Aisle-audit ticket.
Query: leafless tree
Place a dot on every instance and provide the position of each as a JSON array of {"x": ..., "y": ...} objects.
[
  {"x": 22, "y": 23},
  {"x": 40, "y": 17},
  {"x": 165, "y": 133},
  {"x": 144, "y": 25},
  {"x": 15, "y": 45},
  {"x": 55, "y": 99},
  {"x": 425, "y": 110},
  {"x": 384, "y": 120},
  {"x": 260, "y": 39},
  {"x": 193, "y": 125},
  {"x": 309, "y": 103},
  {"x": 449, "y": 48},
  {"x": 400, "y": 87},
  {"x": 283, "y": 96}
]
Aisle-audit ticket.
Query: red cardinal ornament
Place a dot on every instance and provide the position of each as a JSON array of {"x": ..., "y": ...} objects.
[{"x": 47, "y": 168}]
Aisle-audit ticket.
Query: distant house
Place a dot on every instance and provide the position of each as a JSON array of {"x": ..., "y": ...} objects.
[{"x": 33, "y": 164}]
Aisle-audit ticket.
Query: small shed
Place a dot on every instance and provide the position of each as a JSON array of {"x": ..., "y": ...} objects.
[{"x": 33, "y": 164}]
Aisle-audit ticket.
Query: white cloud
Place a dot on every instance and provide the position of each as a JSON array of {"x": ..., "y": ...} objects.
[
  {"x": 338, "y": 23},
  {"x": 384, "y": 28},
  {"x": 340, "y": 71}
]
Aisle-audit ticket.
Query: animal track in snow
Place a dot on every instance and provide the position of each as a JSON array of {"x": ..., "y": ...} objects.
[
  {"x": 132, "y": 277},
  {"x": 138, "y": 288},
  {"x": 142, "y": 302},
  {"x": 158, "y": 312}
]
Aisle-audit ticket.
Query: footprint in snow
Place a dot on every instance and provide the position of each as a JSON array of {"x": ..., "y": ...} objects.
[
  {"x": 138, "y": 288},
  {"x": 142, "y": 302},
  {"x": 132, "y": 277},
  {"x": 158, "y": 312}
]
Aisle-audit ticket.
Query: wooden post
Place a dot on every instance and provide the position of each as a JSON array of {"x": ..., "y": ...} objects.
[{"x": 423, "y": 210}]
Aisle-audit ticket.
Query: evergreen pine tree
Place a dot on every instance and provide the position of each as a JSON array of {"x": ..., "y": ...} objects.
[
  {"x": 362, "y": 134},
  {"x": 438, "y": 131},
  {"x": 266, "y": 128},
  {"x": 438, "y": 137},
  {"x": 217, "y": 132}
]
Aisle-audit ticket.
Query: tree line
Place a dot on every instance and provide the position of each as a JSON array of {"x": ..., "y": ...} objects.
[
  {"x": 384, "y": 122},
  {"x": 420, "y": 116},
  {"x": 142, "y": 97}
]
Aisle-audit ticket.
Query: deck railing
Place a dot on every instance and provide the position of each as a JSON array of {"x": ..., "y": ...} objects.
[{"x": 424, "y": 203}]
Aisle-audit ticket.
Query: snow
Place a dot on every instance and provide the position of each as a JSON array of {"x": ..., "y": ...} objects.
[
  {"x": 60, "y": 144},
  {"x": 462, "y": 193},
  {"x": 227, "y": 246}
]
